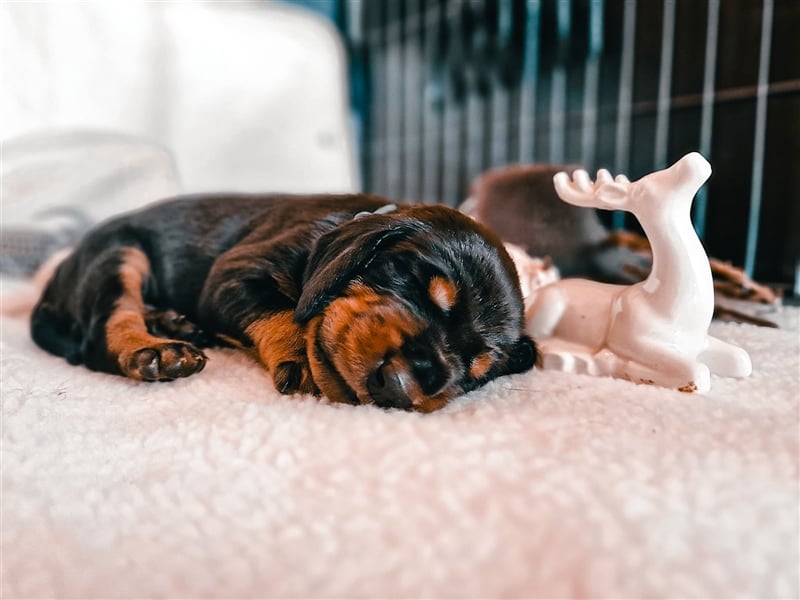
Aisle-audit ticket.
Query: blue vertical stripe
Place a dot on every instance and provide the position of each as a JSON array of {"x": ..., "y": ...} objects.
[
  {"x": 760, "y": 133},
  {"x": 707, "y": 114},
  {"x": 623, "y": 137},
  {"x": 527, "y": 102},
  {"x": 558, "y": 90},
  {"x": 591, "y": 84},
  {"x": 664, "y": 84}
]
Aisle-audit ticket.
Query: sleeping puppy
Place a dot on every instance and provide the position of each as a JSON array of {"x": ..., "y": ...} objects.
[{"x": 345, "y": 296}]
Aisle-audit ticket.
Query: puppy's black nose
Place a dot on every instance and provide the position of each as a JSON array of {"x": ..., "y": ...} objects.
[{"x": 385, "y": 385}]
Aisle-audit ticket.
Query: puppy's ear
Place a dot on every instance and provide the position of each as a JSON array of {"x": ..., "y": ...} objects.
[{"x": 341, "y": 254}]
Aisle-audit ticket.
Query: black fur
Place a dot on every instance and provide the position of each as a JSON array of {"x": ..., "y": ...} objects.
[{"x": 219, "y": 263}]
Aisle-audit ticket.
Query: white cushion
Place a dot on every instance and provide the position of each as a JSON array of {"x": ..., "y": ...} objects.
[
  {"x": 57, "y": 185},
  {"x": 248, "y": 96}
]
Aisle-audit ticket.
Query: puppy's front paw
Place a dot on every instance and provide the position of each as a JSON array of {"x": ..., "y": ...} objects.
[
  {"x": 294, "y": 378},
  {"x": 164, "y": 362}
]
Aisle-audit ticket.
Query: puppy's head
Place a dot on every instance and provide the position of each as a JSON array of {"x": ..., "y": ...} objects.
[{"x": 411, "y": 309}]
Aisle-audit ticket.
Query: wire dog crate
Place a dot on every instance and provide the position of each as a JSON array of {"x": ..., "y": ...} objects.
[{"x": 448, "y": 89}]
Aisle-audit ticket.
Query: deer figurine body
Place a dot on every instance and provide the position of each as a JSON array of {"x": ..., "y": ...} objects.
[{"x": 655, "y": 331}]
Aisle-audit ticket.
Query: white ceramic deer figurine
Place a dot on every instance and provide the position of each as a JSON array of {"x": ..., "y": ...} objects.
[{"x": 655, "y": 331}]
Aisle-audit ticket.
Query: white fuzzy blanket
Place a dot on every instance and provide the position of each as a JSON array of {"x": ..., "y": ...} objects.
[{"x": 539, "y": 485}]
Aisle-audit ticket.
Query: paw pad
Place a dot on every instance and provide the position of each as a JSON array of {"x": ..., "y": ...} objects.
[{"x": 165, "y": 362}]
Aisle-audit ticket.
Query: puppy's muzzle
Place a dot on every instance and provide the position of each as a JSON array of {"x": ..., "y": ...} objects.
[
  {"x": 401, "y": 378},
  {"x": 389, "y": 385}
]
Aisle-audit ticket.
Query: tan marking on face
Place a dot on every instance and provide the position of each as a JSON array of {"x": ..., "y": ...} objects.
[
  {"x": 480, "y": 365},
  {"x": 326, "y": 379},
  {"x": 443, "y": 292},
  {"x": 430, "y": 404},
  {"x": 356, "y": 332}
]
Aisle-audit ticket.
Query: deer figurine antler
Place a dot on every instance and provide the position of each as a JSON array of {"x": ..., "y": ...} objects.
[{"x": 655, "y": 331}]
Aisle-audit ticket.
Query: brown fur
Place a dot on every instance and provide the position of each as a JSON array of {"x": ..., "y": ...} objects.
[
  {"x": 406, "y": 309},
  {"x": 281, "y": 347}
]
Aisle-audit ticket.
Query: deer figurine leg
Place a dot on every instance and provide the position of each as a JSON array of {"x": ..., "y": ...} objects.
[
  {"x": 546, "y": 311},
  {"x": 558, "y": 355},
  {"x": 726, "y": 359},
  {"x": 660, "y": 364}
]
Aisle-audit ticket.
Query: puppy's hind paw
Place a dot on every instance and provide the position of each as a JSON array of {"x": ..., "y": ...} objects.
[
  {"x": 164, "y": 362},
  {"x": 169, "y": 324}
]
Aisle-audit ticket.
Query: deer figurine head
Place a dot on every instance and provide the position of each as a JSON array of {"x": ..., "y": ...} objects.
[
  {"x": 655, "y": 331},
  {"x": 672, "y": 188}
]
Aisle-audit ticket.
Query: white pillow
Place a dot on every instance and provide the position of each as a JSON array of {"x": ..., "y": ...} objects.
[{"x": 56, "y": 185}]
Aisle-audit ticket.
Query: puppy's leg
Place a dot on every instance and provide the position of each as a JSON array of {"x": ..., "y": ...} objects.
[
  {"x": 249, "y": 296},
  {"x": 117, "y": 339},
  {"x": 280, "y": 344}
]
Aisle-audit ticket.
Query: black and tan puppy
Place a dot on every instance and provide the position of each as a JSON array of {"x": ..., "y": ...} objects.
[{"x": 406, "y": 308}]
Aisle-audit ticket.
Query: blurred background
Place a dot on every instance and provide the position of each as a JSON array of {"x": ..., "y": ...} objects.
[
  {"x": 411, "y": 99},
  {"x": 445, "y": 89}
]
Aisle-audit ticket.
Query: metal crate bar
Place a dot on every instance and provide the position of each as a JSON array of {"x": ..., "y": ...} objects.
[
  {"x": 591, "y": 84},
  {"x": 625, "y": 102},
  {"x": 760, "y": 134},
  {"x": 664, "y": 84},
  {"x": 529, "y": 87},
  {"x": 707, "y": 113},
  {"x": 456, "y": 87}
]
